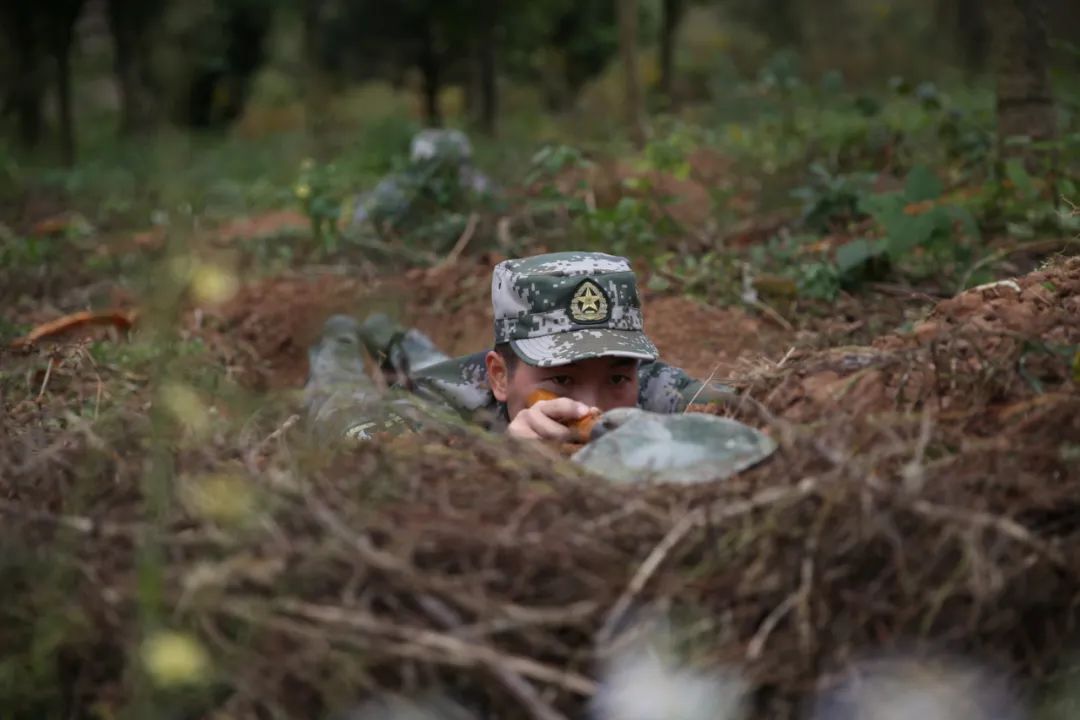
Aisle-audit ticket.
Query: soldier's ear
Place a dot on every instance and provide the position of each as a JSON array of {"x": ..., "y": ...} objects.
[{"x": 498, "y": 375}]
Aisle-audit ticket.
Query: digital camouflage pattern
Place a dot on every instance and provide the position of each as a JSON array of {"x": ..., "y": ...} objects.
[
  {"x": 654, "y": 440},
  {"x": 552, "y": 310},
  {"x": 398, "y": 352},
  {"x": 630, "y": 444},
  {"x": 461, "y": 384},
  {"x": 338, "y": 387},
  {"x": 449, "y": 145},
  {"x": 440, "y": 163},
  {"x": 561, "y": 308},
  {"x": 339, "y": 396}
]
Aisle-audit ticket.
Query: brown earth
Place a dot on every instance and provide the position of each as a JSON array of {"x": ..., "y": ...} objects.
[
  {"x": 265, "y": 330},
  {"x": 269, "y": 325},
  {"x": 924, "y": 492},
  {"x": 688, "y": 200},
  {"x": 1001, "y": 343}
]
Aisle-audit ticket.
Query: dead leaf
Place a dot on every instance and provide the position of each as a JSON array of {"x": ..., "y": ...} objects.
[{"x": 120, "y": 319}]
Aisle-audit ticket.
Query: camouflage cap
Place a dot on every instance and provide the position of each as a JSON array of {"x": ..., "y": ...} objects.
[
  {"x": 560, "y": 308},
  {"x": 440, "y": 144}
]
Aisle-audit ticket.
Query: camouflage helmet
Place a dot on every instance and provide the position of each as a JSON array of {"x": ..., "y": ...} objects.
[
  {"x": 560, "y": 308},
  {"x": 445, "y": 145}
]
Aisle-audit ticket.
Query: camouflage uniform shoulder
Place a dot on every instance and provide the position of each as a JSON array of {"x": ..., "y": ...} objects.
[
  {"x": 668, "y": 389},
  {"x": 460, "y": 384}
]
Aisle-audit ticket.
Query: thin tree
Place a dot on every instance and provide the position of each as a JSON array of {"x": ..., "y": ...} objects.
[
  {"x": 429, "y": 61},
  {"x": 1025, "y": 102},
  {"x": 129, "y": 24},
  {"x": 672, "y": 13},
  {"x": 489, "y": 99},
  {"x": 628, "y": 48},
  {"x": 61, "y": 18},
  {"x": 20, "y": 21}
]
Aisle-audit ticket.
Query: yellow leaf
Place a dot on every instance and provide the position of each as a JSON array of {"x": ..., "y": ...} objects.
[
  {"x": 186, "y": 406},
  {"x": 213, "y": 284},
  {"x": 174, "y": 658},
  {"x": 223, "y": 498}
]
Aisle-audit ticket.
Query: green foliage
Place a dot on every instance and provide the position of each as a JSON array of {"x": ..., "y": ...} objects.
[
  {"x": 917, "y": 231},
  {"x": 707, "y": 276},
  {"x": 22, "y": 253},
  {"x": 912, "y": 219},
  {"x": 668, "y": 151},
  {"x": 320, "y": 189},
  {"x": 627, "y": 228},
  {"x": 819, "y": 280},
  {"x": 633, "y": 224},
  {"x": 41, "y": 629},
  {"x": 551, "y": 160},
  {"x": 830, "y": 200}
]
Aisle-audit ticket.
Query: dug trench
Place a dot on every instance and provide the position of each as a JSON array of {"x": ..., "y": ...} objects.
[
  {"x": 267, "y": 328},
  {"x": 923, "y": 497}
]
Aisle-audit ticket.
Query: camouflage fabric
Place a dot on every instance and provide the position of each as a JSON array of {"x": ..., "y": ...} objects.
[
  {"x": 461, "y": 384},
  {"x": 629, "y": 445},
  {"x": 561, "y": 308},
  {"x": 451, "y": 145},
  {"x": 440, "y": 163},
  {"x": 398, "y": 352},
  {"x": 653, "y": 441},
  {"x": 340, "y": 398}
]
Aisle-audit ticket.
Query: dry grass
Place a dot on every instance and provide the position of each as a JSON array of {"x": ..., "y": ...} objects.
[{"x": 942, "y": 515}]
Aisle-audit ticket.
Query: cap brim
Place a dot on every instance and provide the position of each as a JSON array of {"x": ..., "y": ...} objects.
[{"x": 569, "y": 347}]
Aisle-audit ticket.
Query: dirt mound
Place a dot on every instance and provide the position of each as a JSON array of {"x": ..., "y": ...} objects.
[
  {"x": 451, "y": 304},
  {"x": 264, "y": 332},
  {"x": 271, "y": 323},
  {"x": 709, "y": 341},
  {"x": 262, "y": 225},
  {"x": 691, "y": 197},
  {"x": 1002, "y": 344},
  {"x": 458, "y": 561},
  {"x": 930, "y": 500}
]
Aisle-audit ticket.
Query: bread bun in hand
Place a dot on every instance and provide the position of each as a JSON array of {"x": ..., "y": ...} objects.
[{"x": 582, "y": 427}]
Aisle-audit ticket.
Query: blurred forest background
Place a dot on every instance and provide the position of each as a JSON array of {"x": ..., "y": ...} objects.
[
  {"x": 118, "y": 108},
  {"x": 815, "y": 193},
  {"x": 72, "y": 68}
]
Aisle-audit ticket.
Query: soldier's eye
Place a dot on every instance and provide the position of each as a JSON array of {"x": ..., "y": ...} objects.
[
  {"x": 620, "y": 379},
  {"x": 560, "y": 380}
]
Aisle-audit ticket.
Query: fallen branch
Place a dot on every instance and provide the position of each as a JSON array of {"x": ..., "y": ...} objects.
[
  {"x": 462, "y": 242},
  {"x": 442, "y": 647},
  {"x": 121, "y": 319}
]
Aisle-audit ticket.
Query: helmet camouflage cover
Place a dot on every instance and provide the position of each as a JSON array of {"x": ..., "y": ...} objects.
[{"x": 560, "y": 308}]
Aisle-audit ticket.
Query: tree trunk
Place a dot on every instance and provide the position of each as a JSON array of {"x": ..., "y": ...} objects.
[
  {"x": 973, "y": 33},
  {"x": 316, "y": 94},
  {"x": 63, "y": 89},
  {"x": 1025, "y": 103},
  {"x": 26, "y": 91},
  {"x": 489, "y": 100},
  {"x": 473, "y": 90},
  {"x": 628, "y": 28},
  {"x": 429, "y": 72},
  {"x": 781, "y": 17},
  {"x": 126, "y": 64},
  {"x": 670, "y": 23},
  {"x": 63, "y": 33}
]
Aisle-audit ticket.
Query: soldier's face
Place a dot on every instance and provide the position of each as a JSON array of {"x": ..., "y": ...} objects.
[{"x": 603, "y": 383}]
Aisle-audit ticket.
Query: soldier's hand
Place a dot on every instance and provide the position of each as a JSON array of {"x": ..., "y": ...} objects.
[{"x": 546, "y": 420}]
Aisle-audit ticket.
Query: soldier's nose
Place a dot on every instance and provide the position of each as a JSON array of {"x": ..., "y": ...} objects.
[{"x": 587, "y": 395}]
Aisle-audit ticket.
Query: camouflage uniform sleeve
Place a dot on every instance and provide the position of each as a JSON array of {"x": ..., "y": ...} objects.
[
  {"x": 668, "y": 389},
  {"x": 461, "y": 385},
  {"x": 354, "y": 411}
]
